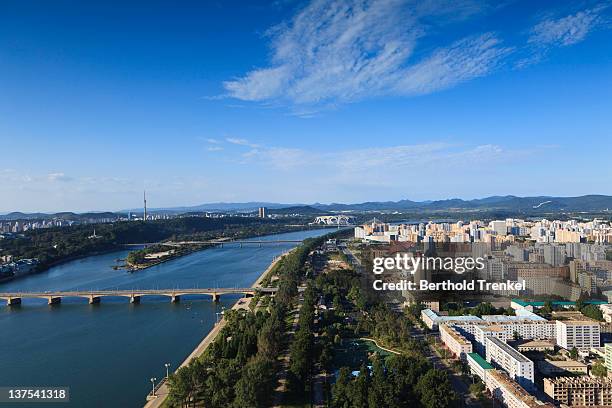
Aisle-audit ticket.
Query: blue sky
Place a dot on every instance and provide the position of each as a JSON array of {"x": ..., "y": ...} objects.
[{"x": 301, "y": 101}]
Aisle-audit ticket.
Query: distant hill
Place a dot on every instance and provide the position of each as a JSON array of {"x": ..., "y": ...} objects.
[
  {"x": 301, "y": 210},
  {"x": 588, "y": 203},
  {"x": 509, "y": 204},
  {"x": 70, "y": 216},
  {"x": 223, "y": 207}
]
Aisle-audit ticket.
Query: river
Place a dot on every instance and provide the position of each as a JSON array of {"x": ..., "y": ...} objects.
[{"x": 108, "y": 352}]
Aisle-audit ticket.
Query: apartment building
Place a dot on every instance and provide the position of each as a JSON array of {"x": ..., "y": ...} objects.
[
  {"x": 581, "y": 334},
  {"x": 510, "y": 393},
  {"x": 432, "y": 319},
  {"x": 455, "y": 342},
  {"x": 580, "y": 391},
  {"x": 479, "y": 366},
  {"x": 608, "y": 357},
  {"x": 518, "y": 367}
]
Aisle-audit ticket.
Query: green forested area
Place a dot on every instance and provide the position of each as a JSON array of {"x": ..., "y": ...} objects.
[
  {"x": 62, "y": 243},
  {"x": 239, "y": 368}
]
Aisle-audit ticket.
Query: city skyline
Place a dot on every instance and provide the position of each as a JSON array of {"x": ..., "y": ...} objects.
[{"x": 301, "y": 102}]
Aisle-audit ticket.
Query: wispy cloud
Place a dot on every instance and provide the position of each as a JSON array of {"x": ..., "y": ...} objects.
[
  {"x": 554, "y": 32},
  {"x": 58, "y": 177},
  {"x": 466, "y": 59},
  {"x": 214, "y": 148},
  {"x": 342, "y": 51},
  {"x": 567, "y": 30},
  {"x": 241, "y": 142},
  {"x": 387, "y": 159}
]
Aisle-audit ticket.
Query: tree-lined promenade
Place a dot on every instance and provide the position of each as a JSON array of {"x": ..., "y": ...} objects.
[
  {"x": 254, "y": 350},
  {"x": 238, "y": 369}
]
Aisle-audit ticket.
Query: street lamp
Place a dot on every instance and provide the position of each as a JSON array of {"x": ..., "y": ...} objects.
[
  {"x": 167, "y": 367},
  {"x": 153, "y": 384}
]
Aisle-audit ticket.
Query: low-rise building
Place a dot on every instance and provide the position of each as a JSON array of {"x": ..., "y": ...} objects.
[
  {"x": 580, "y": 391},
  {"x": 560, "y": 367},
  {"x": 535, "y": 345},
  {"x": 455, "y": 342}
]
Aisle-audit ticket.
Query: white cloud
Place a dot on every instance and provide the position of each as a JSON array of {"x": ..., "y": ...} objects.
[
  {"x": 213, "y": 141},
  {"x": 342, "y": 51},
  {"x": 241, "y": 142},
  {"x": 214, "y": 148},
  {"x": 568, "y": 30},
  {"x": 58, "y": 177},
  {"x": 357, "y": 163},
  {"x": 466, "y": 59}
]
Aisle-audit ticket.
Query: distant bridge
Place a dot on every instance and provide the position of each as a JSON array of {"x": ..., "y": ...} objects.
[
  {"x": 14, "y": 298},
  {"x": 220, "y": 242}
]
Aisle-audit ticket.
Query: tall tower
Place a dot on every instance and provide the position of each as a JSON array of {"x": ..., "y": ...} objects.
[{"x": 145, "y": 205}]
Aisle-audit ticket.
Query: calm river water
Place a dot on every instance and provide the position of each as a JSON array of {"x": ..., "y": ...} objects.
[{"x": 107, "y": 353}]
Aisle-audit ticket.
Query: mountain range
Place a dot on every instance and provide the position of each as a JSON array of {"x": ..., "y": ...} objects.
[{"x": 510, "y": 203}]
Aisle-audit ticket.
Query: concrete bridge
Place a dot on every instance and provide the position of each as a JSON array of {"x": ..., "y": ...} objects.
[
  {"x": 220, "y": 242},
  {"x": 94, "y": 296}
]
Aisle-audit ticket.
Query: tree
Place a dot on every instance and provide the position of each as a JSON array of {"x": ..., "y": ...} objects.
[
  {"x": 359, "y": 394},
  {"x": 477, "y": 388},
  {"x": 593, "y": 312},
  {"x": 181, "y": 386},
  {"x": 340, "y": 389},
  {"x": 599, "y": 370},
  {"x": 574, "y": 353},
  {"x": 547, "y": 308},
  {"x": 435, "y": 390},
  {"x": 379, "y": 386},
  {"x": 255, "y": 385}
]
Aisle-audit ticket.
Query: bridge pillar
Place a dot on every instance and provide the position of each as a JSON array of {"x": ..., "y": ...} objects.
[
  {"x": 216, "y": 297},
  {"x": 54, "y": 300},
  {"x": 175, "y": 298},
  {"x": 94, "y": 299},
  {"x": 13, "y": 301},
  {"x": 134, "y": 299}
]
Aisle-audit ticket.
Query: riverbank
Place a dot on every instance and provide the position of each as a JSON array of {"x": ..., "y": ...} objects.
[
  {"x": 242, "y": 304},
  {"x": 131, "y": 268},
  {"x": 43, "y": 267}
]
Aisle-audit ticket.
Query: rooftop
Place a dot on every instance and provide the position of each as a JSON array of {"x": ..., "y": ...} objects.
[
  {"x": 580, "y": 380},
  {"x": 518, "y": 391},
  {"x": 509, "y": 350},
  {"x": 453, "y": 333},
  {"x": 480, "y": 361},
  {"x": 566, "y": 363},
  {"x": 537, "y": 343},
  {"x": 556, "y": 302},
  {"x": 440, "y": 319}
]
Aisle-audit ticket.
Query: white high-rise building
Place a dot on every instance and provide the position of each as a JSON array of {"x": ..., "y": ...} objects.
[{"x": 582, "y": 334}]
